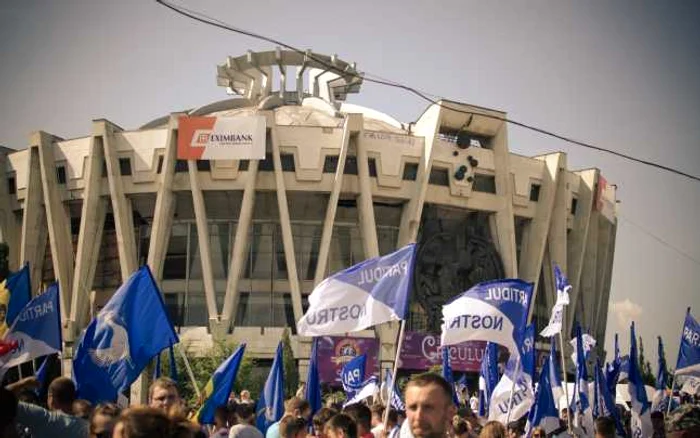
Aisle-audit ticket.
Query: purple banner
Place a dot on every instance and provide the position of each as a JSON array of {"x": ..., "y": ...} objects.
[
  {"x": 335, "y": 351},
  {"x": 420, "y": 351}
]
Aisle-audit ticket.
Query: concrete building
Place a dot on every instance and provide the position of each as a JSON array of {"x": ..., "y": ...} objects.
[{"x": 238, "y": 245}]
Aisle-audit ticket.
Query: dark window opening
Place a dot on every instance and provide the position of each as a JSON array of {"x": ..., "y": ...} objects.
[
  {"x": 410, "y": 171},
  {"x": 330, "y": 164},
  {"x": 61, "y": 174},
  {"x": 204, "y": 165},
  {"x": 287, "y": 162},
  {"x": 125, "y": 166},
  {"x": 104, "y": 169},
  {"x": 535, "y": 192},
  {"x": 350, "y": 165},
  {"x": 160, "y": 164},
  {"x": 484, "y": 183},
  {"x": 181, "y": 166},
  {"x": 574, "y": 205},
  {"x": 372, "y": 164},
  {"x": 266, "y": 165},
  {"x": 439, "y": 177},
  {"x": 11, "y": 185},
  {"x": 243, "y": 165}
]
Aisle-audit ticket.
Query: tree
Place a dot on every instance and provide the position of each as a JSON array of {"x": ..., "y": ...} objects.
[
  {"x": 291, "y": 371},
  {"x": 645, "y": 366}
]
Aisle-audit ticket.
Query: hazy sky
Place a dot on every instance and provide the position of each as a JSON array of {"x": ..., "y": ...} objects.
[{"x": 624, "y": 75}]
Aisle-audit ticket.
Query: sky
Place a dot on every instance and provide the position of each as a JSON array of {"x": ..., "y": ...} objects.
[{"x": 622, "y": 75}]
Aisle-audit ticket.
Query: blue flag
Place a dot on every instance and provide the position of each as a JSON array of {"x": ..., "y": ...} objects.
[
  {"x": 604, "y": 402},
  {"x": 544, "y": 412},
  {"x": 488, "y": 377},
  {"x": 364, "y": 295},
  {"x": 41, "y": 374},
  {"x": 447, "y": 373},
  {"x": 218, "y": 388},
  {"x": 118, "y": 344},
  {"x": 583, "y": 414},
  {"x": 554, "y": 377},
  {"x": 612, "y": 372},
  {"x": 640, "y": 424},
  {"x": 173, "y": 365},
  {"x": 394, "y": 395},
  {"x": 270, "y": 407},
  {"x": 493, "y": 311},
  {"x": 367, "y": 389},
  {"x": 657, "y": 403},
  {"x": 313, "y": 382},
  {"x": 689, "y": 352},
  {"x": 353, "y": 375},
  {"x": 36, "y": 331},
  {"x": 563, "y": 286},
  {"x": 528, "y": 348},
  {"x": 15, "y": 293}
]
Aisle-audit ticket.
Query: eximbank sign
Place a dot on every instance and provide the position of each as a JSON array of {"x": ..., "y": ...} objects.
[{"x": 221, "y": 138}]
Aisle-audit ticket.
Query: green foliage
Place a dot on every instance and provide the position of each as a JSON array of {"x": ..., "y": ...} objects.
[
  {"x": 4, "y": 260},
  {"x": 645, "y": 366},
  {"x": 435, "y": 369},
  {"x": 291, "y": 371},
  {"x": 203, "y": 366}
]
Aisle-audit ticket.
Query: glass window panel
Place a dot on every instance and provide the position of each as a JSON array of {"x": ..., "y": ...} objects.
[
  {"x": 262, "y": 309},
  {"x": 175, "y": 264}
]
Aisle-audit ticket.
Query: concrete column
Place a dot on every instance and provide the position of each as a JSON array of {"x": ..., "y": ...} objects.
[
  {"x": 121, "y": 205},
  {"x": 9, "y": 226},
  {"x": 200, "y": 214},
  {"x": 576, "y": 249},
  {"x": 240, "y": 246},
  {"x": 535, "y": 240},
  {"x": 285, "y": 223},
  {"x": 589, "y": 276},
  {"x": 504, "y": 216},
  {"x": 92, "y": 221},
  {"x": 603, "y": 269},
  {"x": 165, "y": 204},
  {"x": 327, "y": 233},
  {"x": 365, "y": 206},
  {"x": 34, "y": 229},
  {"x": 58, "y": 222}
]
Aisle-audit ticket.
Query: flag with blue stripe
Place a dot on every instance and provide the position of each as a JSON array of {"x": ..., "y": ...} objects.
[
  {"x": 370, "y": 293},
  {"x": 528, "y": 348},
  {"x": 514, "y": 380},
  {"x": 604, "y": 402},
  {"x": 312, "y": 391},
  {"x": 657, "y": 403},
  {"x": 688, "y": 363},
  {"x": 352, "y": 375},
  {"x": 544, "y": 412},
  {"x": 367, "y": 389},
  {"x": 493, "y": 311},
  {"x": 219, "y": 387},
  {"x": 554, "y": 375},
  {"x": 488, "y": 377},
  {"x": 36, "y": 330},
  {"x": 270, "y": 407},
  {"x": 394, "y": 395},
  {"x": 447, "y": 373},
  {"x": 640, "y": 424},
  {"x": 612, "y": 370},
  {"x": 117, "y": 345},
  {"x": 15, "y": 293},
  {"x": 583, "y": 417}
]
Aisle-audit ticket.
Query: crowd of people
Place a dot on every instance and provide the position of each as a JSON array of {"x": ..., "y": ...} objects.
[{"x": 430, "y": 413}]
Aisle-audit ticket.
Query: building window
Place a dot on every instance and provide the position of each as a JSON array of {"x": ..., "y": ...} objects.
[
  {"x": 181, "y": 166},
  {"x": 535, "y": 192},
  {"x": 124, "y": 166},
  {"x": 266, "y": 165},
  {"x": 410, "y": 171},
  {"x": 11, "y": 185},
  {"x": 175, "y": 264},
  {"x": 372, "y": 164},
  {"x": 261, "y": 309},
  {"x": 439, "y": 177},
  {"x": 287, "y": 162},
  {"x": 330, "y": 164},
  {"x": 204, "y": 165},
  {"x": 243, "y": 165},
  {"x": 350, "y": 165},
  {"x": 574, "y": 205},
  {"x": 484, "y": 183},
  {"x": 160, "y": 164},
  {"x": 61, "y": 174},
  {"x": 104, "y": 169}
]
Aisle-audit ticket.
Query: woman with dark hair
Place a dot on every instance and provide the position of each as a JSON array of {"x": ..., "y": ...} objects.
[
  {"x": 143, "y": 422},
  {"x": 102, "y": 420}
]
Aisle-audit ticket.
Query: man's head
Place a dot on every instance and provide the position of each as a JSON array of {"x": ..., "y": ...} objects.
[
  {"x": 245, "y": 412},
  {"x": 221, "y": 416},
  {"x": 102, "y": 420},
  {"x": 320, "y": 419},
  {"x": 245, "y": 396},
  {"x": 82, "y": 408},
  {"x": 362, "y": 416},
  {"x": 429, "y": 406},
  {"x": 377, "y": 414},
  {"x": 684, "y": 422},
  {"x": 163, "y": 394},
  {"x": 292, "y": 427},
  {"x": 297, "y": 407},
  {"x": 61, "y": 395},
  {"x": 604, "y": 427},
  {"x": 143, "y": 421},
  {"x": 564, "y": 414},
  {"x": 341, "y": 426}
]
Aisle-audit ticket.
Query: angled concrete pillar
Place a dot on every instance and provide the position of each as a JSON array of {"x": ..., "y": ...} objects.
[
  {"x": 9, "y": 226},
  {"x": 34, "y": 228},
  {"x": 589, "y": 275},
  {"x": 58, "y": 221},
  {"x": 121, "y": 205},
  {"x": 94, "y": 211},
  {"x": 365, "y": 206},
  {"x": 505, "y": 222}
]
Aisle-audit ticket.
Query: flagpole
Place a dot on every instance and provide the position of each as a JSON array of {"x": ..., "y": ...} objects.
[
  {"x": 392, "y": 384},
  {"x": 512, "y": 389},
  {"x": 563, "y": 369},
  {"x": 670, "y": 398},
  {"x": 190, "y": 373}
]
